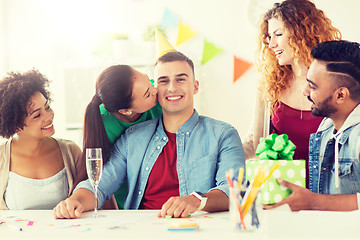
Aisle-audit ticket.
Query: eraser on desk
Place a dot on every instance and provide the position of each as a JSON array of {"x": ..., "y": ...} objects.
[{"x": 184, "y": 226}]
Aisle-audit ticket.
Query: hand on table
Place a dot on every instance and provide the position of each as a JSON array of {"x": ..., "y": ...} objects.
[
  {"x": 179, "y": 206},
  {"x": 68, "y": 208},
  {"x": 300, "y": 198}
]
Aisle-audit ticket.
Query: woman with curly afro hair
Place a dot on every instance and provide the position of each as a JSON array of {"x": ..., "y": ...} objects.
[
  {"x": 288, "y": 32},
  {"x": 37, "y": 171}
]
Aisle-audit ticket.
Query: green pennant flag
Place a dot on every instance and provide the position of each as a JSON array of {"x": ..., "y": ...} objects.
[{"x": 210, "y": 51}]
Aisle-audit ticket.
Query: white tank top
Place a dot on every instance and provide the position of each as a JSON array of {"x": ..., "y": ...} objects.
[{"x": 26, "y": 193}]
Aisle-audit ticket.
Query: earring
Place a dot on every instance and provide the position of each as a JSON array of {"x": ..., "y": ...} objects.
[{"x": 130, "y": 112}]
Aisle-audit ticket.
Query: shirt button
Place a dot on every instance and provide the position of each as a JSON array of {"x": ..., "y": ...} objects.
[
  {"x": 187, "y": 133},
  {"x": 157, "y": 138},
  {"x": 147, "y": 168},
  {"x": 316, "y": 139},
  {"x": 158, "y": 147},
  {"x": 164, "y": 138},
  {"x": 139, "y": 192},
  {"x": 314, "y": 166}
]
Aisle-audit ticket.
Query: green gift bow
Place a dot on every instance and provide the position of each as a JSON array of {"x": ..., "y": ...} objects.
[{"x": 275, "y": 147}]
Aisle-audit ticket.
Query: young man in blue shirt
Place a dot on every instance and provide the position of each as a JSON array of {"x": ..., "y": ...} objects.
[
  {"x": 176, "y": 162},
  {"x": 334, "y": 154}
]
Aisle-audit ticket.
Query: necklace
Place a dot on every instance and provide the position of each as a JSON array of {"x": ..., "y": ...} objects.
[
  {"x": 301, "y": 107},
  {"x": 298, "y": 90},
  {"x": 301, "y": 90},
  {"x": 299, "y": 78}
]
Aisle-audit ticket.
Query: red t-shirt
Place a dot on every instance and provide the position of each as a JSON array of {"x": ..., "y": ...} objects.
[
  {"x": 286, "y": 119},
  {"x": 163, "y": 181}
]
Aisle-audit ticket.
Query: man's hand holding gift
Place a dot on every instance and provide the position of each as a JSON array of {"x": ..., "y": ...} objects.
[{"x": 300, "y": 198}]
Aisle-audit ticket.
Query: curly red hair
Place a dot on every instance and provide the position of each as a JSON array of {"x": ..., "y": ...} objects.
[{"x": 306, "y": 26}]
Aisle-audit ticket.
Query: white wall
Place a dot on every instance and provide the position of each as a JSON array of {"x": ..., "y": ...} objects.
[
  {"x": 3, "y": 42},
  {"x": 58, "y": 37}
]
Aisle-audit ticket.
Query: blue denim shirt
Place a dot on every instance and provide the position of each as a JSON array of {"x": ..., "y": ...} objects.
[
  {"x": 321, "y": 156},
  {"x": 205, "y": 149}
]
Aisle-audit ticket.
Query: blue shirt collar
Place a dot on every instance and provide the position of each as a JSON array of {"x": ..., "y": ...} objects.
[
  {"x": 187, "y": 127},
  {"x": 350, "y": 121}
]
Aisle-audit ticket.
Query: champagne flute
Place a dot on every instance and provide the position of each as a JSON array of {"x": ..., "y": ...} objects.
[{"x": 94, "y": 167}]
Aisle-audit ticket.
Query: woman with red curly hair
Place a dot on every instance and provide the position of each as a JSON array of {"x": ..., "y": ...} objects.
[
  {"x": 37, "y": 171},
  {"x": 288, "y": 32}
]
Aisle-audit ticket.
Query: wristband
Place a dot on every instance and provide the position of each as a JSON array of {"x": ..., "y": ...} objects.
[{"x": 201, "y": 197}]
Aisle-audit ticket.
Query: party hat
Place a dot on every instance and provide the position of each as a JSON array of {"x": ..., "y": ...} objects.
[{"x": 162, "y": 44}]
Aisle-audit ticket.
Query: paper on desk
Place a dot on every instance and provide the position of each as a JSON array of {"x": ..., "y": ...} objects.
[
  {"x": 83, "y": 224},
  {"x": 284, "y": 224}
]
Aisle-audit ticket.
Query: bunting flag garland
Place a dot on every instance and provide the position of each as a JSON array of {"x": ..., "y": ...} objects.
[
  {"x": 169, "y": 19},
  {"x": 240, "y": 67},
  {"x": 184, "y": 33},
  {"x": 210, "y": 51},
  {"x": 162, "y": 44}
]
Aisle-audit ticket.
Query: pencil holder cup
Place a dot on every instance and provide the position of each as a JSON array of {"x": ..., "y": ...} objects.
[{"x": 243, "y": 219}]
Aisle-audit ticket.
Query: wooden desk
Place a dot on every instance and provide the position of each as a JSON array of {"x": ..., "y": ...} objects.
[{"x": 143, "y": 224}]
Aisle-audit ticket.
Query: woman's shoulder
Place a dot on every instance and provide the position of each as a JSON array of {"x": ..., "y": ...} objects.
[
  {"x": 155, "y": 111},
  {"x": 4, "y": 154},
  {"x": 4, "y": 146},
  {"x": 65, "y": 142},
  {"x": 68, "y": 145},
  {"x": 157, "y": 107},
  {"x": 4, "y": 142}
]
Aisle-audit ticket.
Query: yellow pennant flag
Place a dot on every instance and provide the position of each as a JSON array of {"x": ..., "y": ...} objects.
[
  {"x": 184, "y": 33},
  {"x": 162, "y": 44},
  {"x": 210, "y": 51}
]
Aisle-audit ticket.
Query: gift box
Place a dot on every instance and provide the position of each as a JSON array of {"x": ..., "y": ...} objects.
[
  {"x": 290, "y": 170},
  {"x": 272, "y": 150}
]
